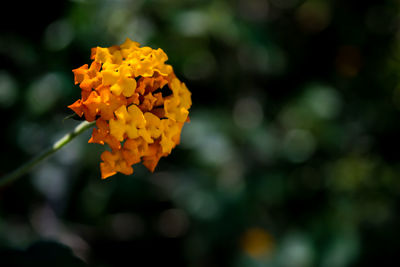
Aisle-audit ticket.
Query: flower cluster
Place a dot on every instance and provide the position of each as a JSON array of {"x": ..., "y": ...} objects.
[{"x": 138, "y": 103}]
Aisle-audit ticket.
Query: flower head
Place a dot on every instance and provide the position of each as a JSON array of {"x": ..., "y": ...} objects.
[{"x": 125, "y": 90}]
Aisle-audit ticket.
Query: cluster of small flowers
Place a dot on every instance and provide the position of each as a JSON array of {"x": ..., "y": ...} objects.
[{"x": 138, "y": 104}]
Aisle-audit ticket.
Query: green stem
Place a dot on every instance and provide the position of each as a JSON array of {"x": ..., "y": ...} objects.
[{"x": 57, "y": 145}]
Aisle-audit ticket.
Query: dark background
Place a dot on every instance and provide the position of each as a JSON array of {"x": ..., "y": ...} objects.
[{"x": 289, "y": 159}]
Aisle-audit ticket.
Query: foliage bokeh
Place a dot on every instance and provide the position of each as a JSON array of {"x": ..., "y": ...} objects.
[{"x": 289, "y": 159}]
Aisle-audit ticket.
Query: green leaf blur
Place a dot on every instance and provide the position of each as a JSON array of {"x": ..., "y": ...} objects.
[{"x": 289, "y": 159}]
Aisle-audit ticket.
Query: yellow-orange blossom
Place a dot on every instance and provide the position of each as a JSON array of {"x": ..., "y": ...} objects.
[{"x": 138, "y": 103}]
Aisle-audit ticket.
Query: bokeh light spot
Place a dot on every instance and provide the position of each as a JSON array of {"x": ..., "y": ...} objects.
[
  {"x": 192, "y": 23},
  {"x": 314, "y": 16},
  {"x": 202, "y": 205},
  {"x": 58, "y": 35},
  {"x": 44, "y": 93},
  {"x": 248, "y": 113},
  {"x": 324, "y": 101},
  {"x": 8, "y": 90},
  {"x": 254, "y": 10},
  {"x": 296, "y": 250},
  {"x": 299, "y": 145},
  {"x": 50, "y": 180},
  {"x": 173, "y": 223},
  {"x": 257, "y": 243}
]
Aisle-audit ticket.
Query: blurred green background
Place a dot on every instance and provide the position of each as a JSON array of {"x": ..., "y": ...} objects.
[{"x": 289, "y": 159}]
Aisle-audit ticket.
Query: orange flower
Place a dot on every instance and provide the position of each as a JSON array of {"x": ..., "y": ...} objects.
[
  {"x": 102, "y": 135},
  {"x": 138, "y": 103},
  {"x": 114, "y": 162}
]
